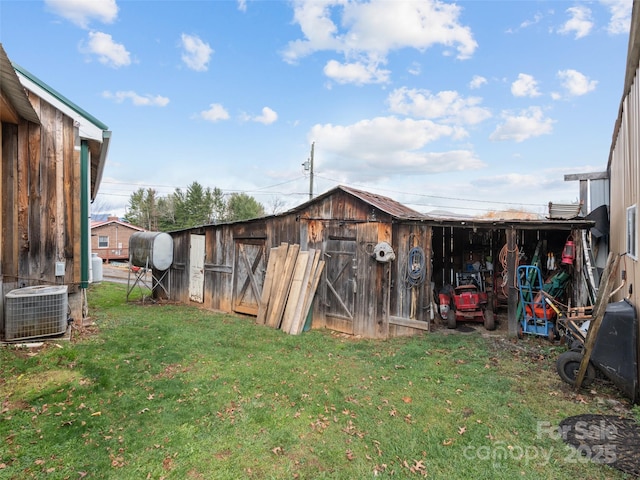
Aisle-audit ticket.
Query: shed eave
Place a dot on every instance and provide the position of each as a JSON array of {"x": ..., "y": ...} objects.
[
  {"x": 90, "y": 127},
  {"x": 13, "y": 90}
]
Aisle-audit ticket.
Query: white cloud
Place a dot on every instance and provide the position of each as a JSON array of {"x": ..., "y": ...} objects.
[
  {"x": 414, "y": 69},
  {"x": 576, "y": 83},
  {"x": 527, "y": 124},
  {"x": 536, "y": 19},
  {"x": 215, "y": 113},
  {"x": 388, "y": 146},
  {"x": 620, "y": 16},
  {"x": 136, "y": 99},
  {"x": 449, "y": 106},
  {"x": 525, "y": 86},
  {"x": 81, "y": 12},
  {"x": 196, "y": 53},
  {"x": 516, "y": 180},
  {"x": 109, "y": 52},
  {"x": 268, "y": 116},
  {"x": 356, "y": 73},
  {"x": 372, "y": 29},
  {"x": 580, "y": 22},
  {"x": 477, "y": 81},
  {"x": 242, "y": 5}
]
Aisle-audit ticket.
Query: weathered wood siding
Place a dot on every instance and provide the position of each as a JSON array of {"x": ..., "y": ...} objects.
[
  {"x": 41, "y": 200},
  {"x": 412, "y": 303},
  {"x": 356, "y": 294}
]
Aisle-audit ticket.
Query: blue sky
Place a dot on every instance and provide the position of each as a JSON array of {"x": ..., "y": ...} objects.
[{"x": 468, "y": 106}]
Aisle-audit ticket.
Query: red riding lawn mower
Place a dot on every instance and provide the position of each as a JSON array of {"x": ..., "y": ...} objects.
[{"x": 468, "y": 301}]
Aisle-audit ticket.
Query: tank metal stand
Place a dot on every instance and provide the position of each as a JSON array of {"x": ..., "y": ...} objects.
[{"x": 140, "y": 280}]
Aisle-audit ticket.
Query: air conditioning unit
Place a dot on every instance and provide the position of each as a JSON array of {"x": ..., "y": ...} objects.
[{"x": 38, "y": 311}]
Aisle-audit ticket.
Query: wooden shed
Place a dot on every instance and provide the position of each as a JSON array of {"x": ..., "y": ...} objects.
[
  {"x": 52, "y": 157},
  {"x": 223, "y": 266}
]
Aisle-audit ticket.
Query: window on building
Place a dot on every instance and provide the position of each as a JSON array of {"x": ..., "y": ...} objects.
[
  {"x": 632, "y": 231},
  {"x": 103, "y": 241}
]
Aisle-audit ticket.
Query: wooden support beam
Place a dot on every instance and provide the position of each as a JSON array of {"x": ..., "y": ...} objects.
[
  {"x": 512, "y": 292},
  {"x": 599, "y": 310}
]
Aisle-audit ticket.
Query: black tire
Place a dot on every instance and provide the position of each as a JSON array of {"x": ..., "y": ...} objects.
[
  {"x": 568, "y": 365},
  {"x": 489, "y": 319},
  {"x": 576, "y": 346},
  {"x": 451, "y": 319}
]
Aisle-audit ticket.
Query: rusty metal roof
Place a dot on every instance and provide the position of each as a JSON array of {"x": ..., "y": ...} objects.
[{"x": 382, "y": 203}]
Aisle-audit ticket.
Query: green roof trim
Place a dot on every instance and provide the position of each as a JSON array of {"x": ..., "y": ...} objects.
[{"x": 59, "y": 96}]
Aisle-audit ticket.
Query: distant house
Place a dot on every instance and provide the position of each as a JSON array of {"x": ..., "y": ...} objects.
[
  {"x": 52, "y": 157},
  {"x": 110, "y": 238}
]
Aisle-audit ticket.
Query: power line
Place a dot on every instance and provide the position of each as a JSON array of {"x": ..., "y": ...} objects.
[
  {"x": 260, "y": 191},
  {"x": 441, "y": 197}
]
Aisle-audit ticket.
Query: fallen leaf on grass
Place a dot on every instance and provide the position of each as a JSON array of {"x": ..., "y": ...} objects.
[
  {"x": 277, "y": 451},
  {"x": 349, "y": 454},
  {"x": 407, "y": 399},
  {"x": 462, "y": 430},
  {"x": 447, "y": 442},
  {"x": 96, "y": 414}
]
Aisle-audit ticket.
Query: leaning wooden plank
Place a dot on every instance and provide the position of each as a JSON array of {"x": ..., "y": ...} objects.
[
  {"x": 295, "y": 291},
  {"x": 309, "y": 300},
  {"x": 312, "y": 262},
  {"x": 312, "y": 265},
  {"x": 604, "y": 291},
  {"x": 281, "y": 255},
  {"x": 266, "y": 287},
  {"x": 283, "y": 283}
]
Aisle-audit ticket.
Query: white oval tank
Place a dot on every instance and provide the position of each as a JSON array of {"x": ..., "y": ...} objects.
[
  {"x": 96, "y": 267},
  {"x": 151, "y": 250}
]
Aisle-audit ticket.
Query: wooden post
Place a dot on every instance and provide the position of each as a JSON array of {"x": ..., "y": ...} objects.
[
  {"x": 598, "y": 314},
  {"x": 512, "y": 295}
]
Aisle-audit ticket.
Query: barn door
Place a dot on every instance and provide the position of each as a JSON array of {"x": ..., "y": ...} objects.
[
  {"x": 249, "y": 270},
  {"x": 196, "y": 268},
  {"x": 340, "y": 289}
]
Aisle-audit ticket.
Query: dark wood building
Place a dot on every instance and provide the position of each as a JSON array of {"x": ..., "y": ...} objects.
[
  {"x": 52, "y": 157},
  {"x": 223, "y": 266}
]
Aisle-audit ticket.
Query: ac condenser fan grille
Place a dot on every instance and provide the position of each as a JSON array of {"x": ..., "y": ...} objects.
[{"x": 37, "y": 311}]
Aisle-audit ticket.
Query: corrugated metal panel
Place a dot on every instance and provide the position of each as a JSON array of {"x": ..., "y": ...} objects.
[
  {"x": 598, "y": 193},
  {"x": 564, "y": 211},
  {"x": 624, "y": 164}
]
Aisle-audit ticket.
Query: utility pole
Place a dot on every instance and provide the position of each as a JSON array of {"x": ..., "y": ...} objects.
[
  {"x": 308, "y": 167},
  {"x": 311, "y": 175}
]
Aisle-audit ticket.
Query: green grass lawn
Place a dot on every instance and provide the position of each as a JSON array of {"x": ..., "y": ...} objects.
[{"x": 166, "y": 391}]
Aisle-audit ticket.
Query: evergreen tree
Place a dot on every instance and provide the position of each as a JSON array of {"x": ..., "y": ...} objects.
[
  {"x": 142, "y": 209},
  {"x": 241, "y": 206}
]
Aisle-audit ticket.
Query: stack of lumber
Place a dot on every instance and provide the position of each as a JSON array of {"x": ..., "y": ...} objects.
[{"x": 290, "y": 284}]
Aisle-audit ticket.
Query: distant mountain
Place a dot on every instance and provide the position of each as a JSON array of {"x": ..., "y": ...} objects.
[{"x": 100, "y": 217}]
